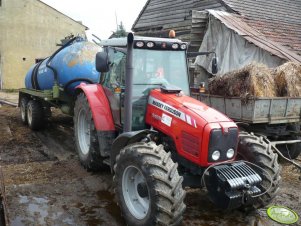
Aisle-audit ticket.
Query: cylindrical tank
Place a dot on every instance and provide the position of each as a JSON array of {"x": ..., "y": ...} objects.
[{"x": 75, "y": 62}]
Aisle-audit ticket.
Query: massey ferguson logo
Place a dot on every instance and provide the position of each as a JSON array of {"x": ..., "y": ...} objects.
[
  {"x": 167, "y": 108},
  {"x": 175, "y": 112}
]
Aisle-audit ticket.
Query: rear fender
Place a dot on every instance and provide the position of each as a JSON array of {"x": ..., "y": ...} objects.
[
  {"x": 99, "y": 104},
  {"x": 102, "y": 115}
]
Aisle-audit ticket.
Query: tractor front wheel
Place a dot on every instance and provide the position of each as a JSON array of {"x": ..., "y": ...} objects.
[
  {"x": 148, "y": 186},
  {"x": 258, "y": 151}
]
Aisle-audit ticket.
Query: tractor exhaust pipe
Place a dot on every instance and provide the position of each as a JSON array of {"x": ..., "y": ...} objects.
[{"x": 129, "y": 84}]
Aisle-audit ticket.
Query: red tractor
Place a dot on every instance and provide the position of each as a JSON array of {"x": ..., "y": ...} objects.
[{"x": 141, "y": 122}]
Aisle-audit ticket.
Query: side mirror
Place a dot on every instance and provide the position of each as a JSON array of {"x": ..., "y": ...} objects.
[
  {"x": 214, "y": 69},
  {"x": 102, "y": 62}
]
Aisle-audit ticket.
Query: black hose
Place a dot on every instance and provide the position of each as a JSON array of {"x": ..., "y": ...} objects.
[
  {"x": 34, "y": 76},
  {"x": 77, "y": 80}
]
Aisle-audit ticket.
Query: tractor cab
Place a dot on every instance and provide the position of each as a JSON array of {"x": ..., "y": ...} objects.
[{"x": 147, "y": 64}]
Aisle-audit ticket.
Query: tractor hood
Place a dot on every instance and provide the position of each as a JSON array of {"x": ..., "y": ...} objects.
[
  {"x": 192, "y": 125},
  {"x": 185, "y": 107}
]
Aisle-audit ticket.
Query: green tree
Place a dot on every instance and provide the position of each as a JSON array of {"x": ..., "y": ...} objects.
[{"x": 120, "y": 32}]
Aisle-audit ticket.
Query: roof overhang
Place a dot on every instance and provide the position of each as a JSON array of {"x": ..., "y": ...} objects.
[{"x": 238, "y": 25}]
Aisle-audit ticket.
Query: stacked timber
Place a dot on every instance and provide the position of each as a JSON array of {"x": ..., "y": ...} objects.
[{"x": 257, "y": 80}]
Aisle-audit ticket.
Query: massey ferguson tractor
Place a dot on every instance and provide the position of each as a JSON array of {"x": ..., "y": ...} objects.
[{"x": 138, "y": 119}]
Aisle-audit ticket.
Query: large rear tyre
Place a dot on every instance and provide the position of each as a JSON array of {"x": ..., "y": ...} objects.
[
  {"x": 258, "y": 151},
  {"x": 35, "y": 115},
  {"x": 23, "y": 109},
  {"x": 148, "y": 186},
  {"x": 85, "y": 134}
]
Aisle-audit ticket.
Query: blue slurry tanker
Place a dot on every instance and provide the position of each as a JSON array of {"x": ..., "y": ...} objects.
[
  {"x": 54, "y": 78},
  {"x": 67, "y": 67}
]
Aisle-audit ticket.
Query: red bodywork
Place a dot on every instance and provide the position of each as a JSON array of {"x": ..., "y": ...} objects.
[
  {"x": 187, "y": 121},
  {"x": 99, "y": 105}
]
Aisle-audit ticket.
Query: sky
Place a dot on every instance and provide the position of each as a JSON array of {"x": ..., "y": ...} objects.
[{"x": 99, "y": 15}]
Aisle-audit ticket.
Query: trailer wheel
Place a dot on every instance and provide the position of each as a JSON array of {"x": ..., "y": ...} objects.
[
  {"x": 292, "y": 151},
  {"x": 23, "y": 109},
  {"x": 148, "y": 187},
  {"x": 35, "y": 115},
  {"x": 258, "y": 151},
  {"x": 86, "y": 136}
]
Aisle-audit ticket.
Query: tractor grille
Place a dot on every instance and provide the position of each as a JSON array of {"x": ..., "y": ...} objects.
[
  {"x": 222, "y": 142},
  {"x": 190, "y": 143}
]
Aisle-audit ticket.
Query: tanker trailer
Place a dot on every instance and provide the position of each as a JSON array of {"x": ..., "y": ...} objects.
[{"x": 51, "y": 82}]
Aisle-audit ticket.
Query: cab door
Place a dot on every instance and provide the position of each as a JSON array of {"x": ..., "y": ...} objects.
[{"x": 114, "y": 82}]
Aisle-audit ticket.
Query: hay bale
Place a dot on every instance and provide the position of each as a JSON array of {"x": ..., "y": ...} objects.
[
  {"x": 253, "y": 80},
  {"x": 288, "y": 79}
]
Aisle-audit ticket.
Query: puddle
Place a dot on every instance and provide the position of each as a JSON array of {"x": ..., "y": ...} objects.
[
  {"x": 111, "y": 205},
  {"x": 35, "y": 208},
  {"x": 106, "y": 204}
]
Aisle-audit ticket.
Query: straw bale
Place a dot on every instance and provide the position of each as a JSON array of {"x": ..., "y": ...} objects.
[
  {"x": 288, "y": 79},
  {"x": 253, "y": 80}
]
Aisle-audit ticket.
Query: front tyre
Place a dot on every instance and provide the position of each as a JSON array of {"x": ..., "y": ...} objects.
[
  {"x": 85, "y": 134},
  {"x": 148, "y": 186},
  {"x": 258, "y": 151}
]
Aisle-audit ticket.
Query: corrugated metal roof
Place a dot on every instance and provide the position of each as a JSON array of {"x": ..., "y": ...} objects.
[
  {"x": 278, "y": 20},
  {"x": 238, "y": 24}
]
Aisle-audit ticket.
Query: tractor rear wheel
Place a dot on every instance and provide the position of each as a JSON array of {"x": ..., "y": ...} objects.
[
  {"x": 85, "y": 134},
  {"x": 256, "y": 150},
  {"x": 148, "y": 187},
  {"x": 35, "y": 115},
  {"x": 23, "y": 109}
]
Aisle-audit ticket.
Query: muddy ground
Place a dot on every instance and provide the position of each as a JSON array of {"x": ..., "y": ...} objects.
[{"x": 44, "y": 184}]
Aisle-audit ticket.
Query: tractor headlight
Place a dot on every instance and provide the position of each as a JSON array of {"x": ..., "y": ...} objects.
[
  {"x": 183, "y": 46},
  {"x": 175, "y": 46},
  {"x": 139, "y": 44},
  {"x": 230, "y": 153},
  {"x": 216, "y": 155},
  {"x": 150, "y": 44}
]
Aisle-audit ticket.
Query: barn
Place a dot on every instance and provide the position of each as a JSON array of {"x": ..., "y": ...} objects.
[{"x": 238, "y": 31}]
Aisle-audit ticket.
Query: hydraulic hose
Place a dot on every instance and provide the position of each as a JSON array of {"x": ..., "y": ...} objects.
[{"x": 77, "y": 80}]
